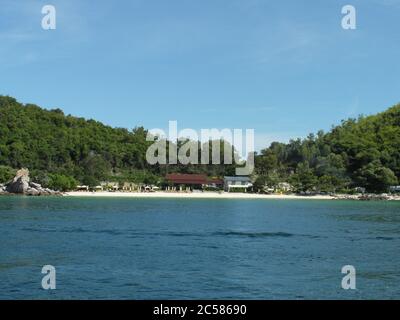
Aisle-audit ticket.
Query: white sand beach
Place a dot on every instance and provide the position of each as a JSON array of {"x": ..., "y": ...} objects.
[{"x": 193, "y": 195}]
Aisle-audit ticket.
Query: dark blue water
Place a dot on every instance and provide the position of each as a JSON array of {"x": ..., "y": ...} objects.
[{"x": 197, "y": 249}]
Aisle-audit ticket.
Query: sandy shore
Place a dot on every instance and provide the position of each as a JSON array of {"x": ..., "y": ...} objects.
[{"x": 194, "y": 195}]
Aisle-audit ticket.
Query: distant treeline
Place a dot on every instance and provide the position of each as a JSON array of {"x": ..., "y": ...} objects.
[{"x": 62, "y": 151}]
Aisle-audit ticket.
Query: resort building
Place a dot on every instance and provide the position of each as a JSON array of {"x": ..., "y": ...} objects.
[
  {"x": 394, "y": 189},
  {"x": 189, "y": 182},
  {"x": 237, "y": 184}
]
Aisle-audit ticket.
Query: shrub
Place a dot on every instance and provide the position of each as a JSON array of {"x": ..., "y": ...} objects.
[
  {"x": 6, "y": 174},
  {"x": 61, "y": 182}
]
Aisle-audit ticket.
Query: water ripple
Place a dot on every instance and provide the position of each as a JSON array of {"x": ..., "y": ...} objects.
[{"x": 136, "y": 233}]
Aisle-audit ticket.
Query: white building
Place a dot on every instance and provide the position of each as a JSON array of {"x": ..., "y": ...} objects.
[
  {"x": 394, "y": 189},
  {"x": 239, "y": 183}
]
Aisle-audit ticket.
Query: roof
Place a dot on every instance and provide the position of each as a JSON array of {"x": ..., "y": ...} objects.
[
  {"x": 242, "y": 178},
  {"x": 187, "y": 178}
]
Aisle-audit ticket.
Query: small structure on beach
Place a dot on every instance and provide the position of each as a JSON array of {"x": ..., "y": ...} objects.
[
  {"x": 82, "y": 188},
  {"x": 284, "y": 187},
  {"x": 394, "y": 189},
  {"x": 130, "y": 186},
  {"x": 237, "y": 184},
  {"x": 110, "y": 186}
]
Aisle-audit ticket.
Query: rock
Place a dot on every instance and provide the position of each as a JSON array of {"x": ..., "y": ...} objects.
[
  {"x": 35, "y": 185},
  {"x": 47, "y": 191},
  {"x": 32, "y": 192},
  {"x": 364, "y": 197},
  {"x": 346, "y": 197},
  {"x": 20, "y": 183},
  {"x": 368, "y": 197}
]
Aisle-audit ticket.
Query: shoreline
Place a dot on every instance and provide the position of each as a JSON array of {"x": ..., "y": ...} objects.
[
  {"x": 210, "y": 195},
  {"x": 215, "y": 195},
  {"x": 193, "y": 195}
]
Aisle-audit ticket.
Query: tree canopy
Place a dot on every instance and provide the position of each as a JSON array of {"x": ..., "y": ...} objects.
[{"x": 363, "y": 152}]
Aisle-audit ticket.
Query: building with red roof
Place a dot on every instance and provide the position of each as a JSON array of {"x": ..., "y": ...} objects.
[{"x": 194, "y": 181}]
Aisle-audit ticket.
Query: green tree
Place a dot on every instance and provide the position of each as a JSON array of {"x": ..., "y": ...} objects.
[
  {"x": 305, "y": 179},
  {"x": 6, "y": 173},
  {"x": 375, "y": 177},
  {"x": 61, "y": 182},
  {"x": 267, "y": 162}
]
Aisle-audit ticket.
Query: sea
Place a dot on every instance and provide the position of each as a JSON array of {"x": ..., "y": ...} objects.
[{"x": 138, "y": 248}]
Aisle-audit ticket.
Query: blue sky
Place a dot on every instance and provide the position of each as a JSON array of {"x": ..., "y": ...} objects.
[{"x": 283, "y": 68}]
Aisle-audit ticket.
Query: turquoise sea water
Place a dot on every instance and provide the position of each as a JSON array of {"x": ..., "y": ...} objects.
[{"x": 198, "y": 249}]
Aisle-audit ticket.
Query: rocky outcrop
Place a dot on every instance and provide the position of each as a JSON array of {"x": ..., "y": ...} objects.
[
  {"x": 367, "y": 197},
  {"x": 21, "y": 184}
]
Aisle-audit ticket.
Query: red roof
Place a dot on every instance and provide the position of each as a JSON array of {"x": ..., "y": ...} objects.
[
  {"x": 187, "y": 178},
  {"x": 192, "y": 179}
]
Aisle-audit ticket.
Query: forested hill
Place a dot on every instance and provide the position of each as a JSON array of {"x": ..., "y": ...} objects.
[
  {"x": 60, "y": 149},
  {"x": 65, "y": 150},
  {"x": 47, "y": 141},
  {"x": 363, "y": 152}
]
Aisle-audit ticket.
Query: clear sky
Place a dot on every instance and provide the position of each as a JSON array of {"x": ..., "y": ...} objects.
[{"x": 284, "y": 68}]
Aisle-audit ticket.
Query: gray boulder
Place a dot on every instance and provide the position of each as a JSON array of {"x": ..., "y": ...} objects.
[
  {"x": 35, "y": 185},
  {"x": 49, "y": 191},
  {"x": 20, "y": 183},
  {"x": 32, "y": 192}
]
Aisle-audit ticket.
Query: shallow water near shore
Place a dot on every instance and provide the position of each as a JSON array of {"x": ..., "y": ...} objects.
[{"x": 137, "y": 248}]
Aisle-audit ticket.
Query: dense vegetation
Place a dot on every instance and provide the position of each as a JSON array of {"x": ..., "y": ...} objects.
[
  {"x": 363, "y": 152},
  {"x": 62, "y": 151}
]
